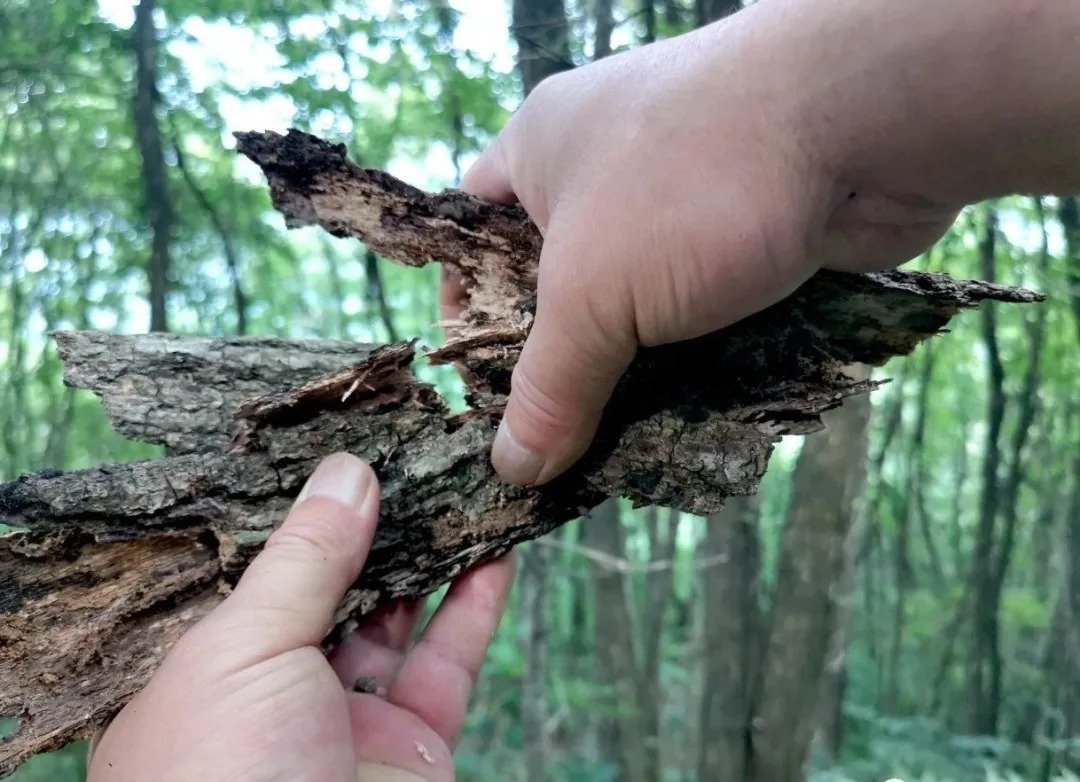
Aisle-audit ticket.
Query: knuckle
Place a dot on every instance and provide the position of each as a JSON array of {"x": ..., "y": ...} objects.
[
  {"x": 307, "y": 536},
  {"x": 545, "y": 415}
]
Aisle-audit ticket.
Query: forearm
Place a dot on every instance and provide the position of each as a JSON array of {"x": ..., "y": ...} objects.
[{"x": 961, "y": 99}]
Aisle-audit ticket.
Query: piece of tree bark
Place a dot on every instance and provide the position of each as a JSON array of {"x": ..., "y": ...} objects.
[{"x": 109, "y": 565}]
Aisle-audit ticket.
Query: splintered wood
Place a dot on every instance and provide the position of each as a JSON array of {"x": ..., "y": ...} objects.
[{"x": 111, "y": 564}]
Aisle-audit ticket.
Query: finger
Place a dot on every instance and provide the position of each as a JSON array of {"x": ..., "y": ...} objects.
[
  {"x": 578, "y": 347},
  {"x": 396, "y": 746},
  {"x": 439, "y": 673},
  {"x": 489, "y": 176},
  {"x": 377, "y": 648},
  {"x": 291, "y": 589},
  {"x": 452, "y": 294}
]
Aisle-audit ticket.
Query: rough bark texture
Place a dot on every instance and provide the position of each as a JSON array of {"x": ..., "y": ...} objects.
[{"x": 110, "y": 564}]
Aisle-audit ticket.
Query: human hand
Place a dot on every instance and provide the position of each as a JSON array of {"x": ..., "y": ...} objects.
[
  {"x": 687, "y": 184},
  {"x": 247, "y": 694}
]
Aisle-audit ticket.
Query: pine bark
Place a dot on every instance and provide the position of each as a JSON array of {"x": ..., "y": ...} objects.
[{"x": 109, "y": 565}]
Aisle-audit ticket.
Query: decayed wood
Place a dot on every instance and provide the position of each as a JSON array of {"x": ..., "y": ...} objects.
[{"x": 113, "y": 563}]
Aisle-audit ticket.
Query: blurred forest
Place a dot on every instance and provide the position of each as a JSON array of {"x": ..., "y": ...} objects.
[{"x": 901, "y": 600}]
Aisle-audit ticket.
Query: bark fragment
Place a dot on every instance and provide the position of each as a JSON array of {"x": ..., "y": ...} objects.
[{"x": 111, "y": 564}]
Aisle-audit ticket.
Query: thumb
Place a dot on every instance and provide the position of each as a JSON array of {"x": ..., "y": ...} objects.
[
  {"x": 489, "y": 177},
  {"x": 580, "y": 343},
  {"x": 290, "y": 590}
]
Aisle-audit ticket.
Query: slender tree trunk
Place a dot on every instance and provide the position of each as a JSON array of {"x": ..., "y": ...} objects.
[
  {"x": 732, "y": 630},
  {"x": 984, "y": 664},
  {"x": 533, "y": 585},
  {"x": 872, "y": 544},
  {"x": 695, "y": 660},
  {"x": 648, "y": 18},
  {"x": 224, "y": 232},
  {"x": 543, "y": 40},
  {"x": 902, "y": 582},
  {"x": 627, "y": 739},
  {"x": 673, "y": 13},
  {"x": 158, "y": 202},
  {"x": 1068, "y": 646},
  {"x": 834, "y": 686},
  {"x": 1027, "y": 405},
  {"x": 1069, "y": 215},
  {"x": 447, "y": 25},
  {"x": 605, "y": 23},
  {"x": 829, "y": 476},
  {"x": 376, "y": 294},
  {"x": 708, "y": 11},
  {"x": 15, "y": 385},
  {"x": 663, "y": 528},
  {"x": 917, "y": 473}
]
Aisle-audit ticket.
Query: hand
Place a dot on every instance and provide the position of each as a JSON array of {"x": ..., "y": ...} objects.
[
  {"x": 687, "y": 184},
  {"x": 247, "y": 694}
]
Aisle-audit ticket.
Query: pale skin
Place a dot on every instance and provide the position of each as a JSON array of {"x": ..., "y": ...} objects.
[
  {"x": 680, "y": 187},
  {"x": 247, "y": 694}
]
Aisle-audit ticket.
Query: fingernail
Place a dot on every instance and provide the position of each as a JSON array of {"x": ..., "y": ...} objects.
[
  {"x": 340, "y": 477},
  {"x": 513, "y": 462}
]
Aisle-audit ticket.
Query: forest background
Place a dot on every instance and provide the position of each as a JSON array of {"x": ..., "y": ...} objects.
[{"x": 902, "y": 599}]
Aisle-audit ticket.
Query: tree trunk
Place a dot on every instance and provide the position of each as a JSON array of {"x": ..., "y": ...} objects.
[
  {"x": 1067, "y": 652},
  {"x": 605, "y": 23},
  {"x": 224, "y": 232},
  {"x": 708, "y": 11},
  {"x": 542, "y": 35},
  {"x": 648, "y": 20},
  {"x": 917, "y": 473},
  {"x": 984, "y": 664},
  {"x": 376, "y": 294},
  {"x": 83, "y": 629},
  {"x": 602, "y": 531},
  {"x": 158, "y": 202},
  {"x": 663, "y": 528},
  {"x": 732, "y": 635},
  {"x": 532, "y": 587},
  {"x": 827, "y": 480}
]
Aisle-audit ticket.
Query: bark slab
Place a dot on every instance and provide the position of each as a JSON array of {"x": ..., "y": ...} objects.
[{"x": 108, "y": 566}]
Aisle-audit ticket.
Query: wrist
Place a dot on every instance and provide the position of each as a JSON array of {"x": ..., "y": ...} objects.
[{"x": 944, "y": 104}]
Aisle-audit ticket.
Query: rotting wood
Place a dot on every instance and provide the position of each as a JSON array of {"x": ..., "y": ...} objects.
[{"x": 114, "y": 562}]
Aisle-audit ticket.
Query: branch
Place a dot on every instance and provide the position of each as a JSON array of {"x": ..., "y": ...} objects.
[{"x": 111, "y": 564}]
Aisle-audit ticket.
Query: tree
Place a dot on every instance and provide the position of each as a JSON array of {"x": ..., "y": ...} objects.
[{"x": 157, "y": 200}]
